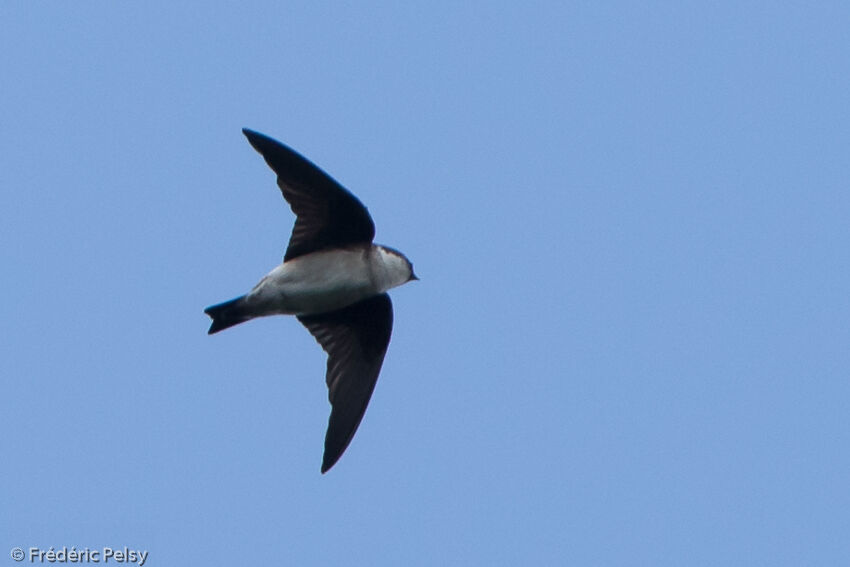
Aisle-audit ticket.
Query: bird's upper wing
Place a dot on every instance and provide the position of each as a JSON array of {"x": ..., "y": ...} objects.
[
  {"x": 327, "y": 215},
  {"x": 356, "y": 339}
]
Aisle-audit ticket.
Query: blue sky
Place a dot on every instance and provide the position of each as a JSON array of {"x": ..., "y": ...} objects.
[{"x": 629, "y": 344}]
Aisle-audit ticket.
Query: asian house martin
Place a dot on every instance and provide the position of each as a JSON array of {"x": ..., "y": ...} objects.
[{"x": 334, "y": 280}]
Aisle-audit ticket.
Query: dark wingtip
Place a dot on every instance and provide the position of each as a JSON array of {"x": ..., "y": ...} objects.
[
  {"x": 254, "y": 137},
  {"x": 264, "y": 144},
  {"x": 327, "y": 463}
]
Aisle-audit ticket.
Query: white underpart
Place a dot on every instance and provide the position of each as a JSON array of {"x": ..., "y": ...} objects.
[{"x": 327, "y": 280}]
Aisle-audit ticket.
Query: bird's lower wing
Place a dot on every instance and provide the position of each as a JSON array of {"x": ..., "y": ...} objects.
[{"x": 356, "y": 339}]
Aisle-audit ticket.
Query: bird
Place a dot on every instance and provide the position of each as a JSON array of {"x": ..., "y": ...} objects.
[{"x": 334, "y": 280}]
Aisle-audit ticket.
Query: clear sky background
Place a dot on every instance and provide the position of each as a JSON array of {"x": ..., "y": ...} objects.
[{"x": 629, "y": 344}]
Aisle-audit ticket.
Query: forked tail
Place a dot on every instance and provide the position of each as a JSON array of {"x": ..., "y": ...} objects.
[{"x": 227, "y": 314}]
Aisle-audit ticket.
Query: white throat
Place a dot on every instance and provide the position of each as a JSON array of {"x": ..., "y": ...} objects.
[{"x": 391, "y": 269}]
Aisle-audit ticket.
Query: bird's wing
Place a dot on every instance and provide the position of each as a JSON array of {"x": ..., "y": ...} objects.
[
  {"x": 356, "y": 339},
  {"x": 327, "y": 215}
]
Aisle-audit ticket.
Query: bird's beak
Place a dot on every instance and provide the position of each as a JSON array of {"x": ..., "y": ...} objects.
[{"x": 412, "y": 277}]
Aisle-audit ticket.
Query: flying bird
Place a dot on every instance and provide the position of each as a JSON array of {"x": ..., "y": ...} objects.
[{"x": 334, "y": 280}]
